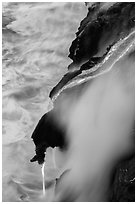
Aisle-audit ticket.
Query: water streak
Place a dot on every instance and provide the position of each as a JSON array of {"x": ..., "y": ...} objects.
[{"x": 43, "y": 178}]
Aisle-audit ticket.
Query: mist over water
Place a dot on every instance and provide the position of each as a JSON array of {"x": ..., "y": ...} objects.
[{"x": 36, "y": 41}]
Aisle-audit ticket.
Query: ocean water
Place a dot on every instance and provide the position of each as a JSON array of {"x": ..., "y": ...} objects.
[{"x": 35, "y": 45}]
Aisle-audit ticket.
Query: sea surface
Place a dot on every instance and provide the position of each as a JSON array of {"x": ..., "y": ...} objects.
[{"x": 35, "y": 45}]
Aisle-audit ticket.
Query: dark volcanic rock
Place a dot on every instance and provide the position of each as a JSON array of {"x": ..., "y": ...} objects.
[
  {"x": 101, "y": 29},
  {"x": 47, "y": 134},
  {"x": 123, "y": 188}
]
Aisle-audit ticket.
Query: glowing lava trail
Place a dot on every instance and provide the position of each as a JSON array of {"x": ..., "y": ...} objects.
[{"x": 43, "y": 178}]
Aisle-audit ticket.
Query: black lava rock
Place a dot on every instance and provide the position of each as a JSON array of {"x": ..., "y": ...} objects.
[{"x": 47, "y": 134}]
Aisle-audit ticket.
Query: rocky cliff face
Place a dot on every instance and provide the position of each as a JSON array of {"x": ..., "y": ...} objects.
[
  {"x": 104, "y": 25},
  {"x": 105, "y": 36}
]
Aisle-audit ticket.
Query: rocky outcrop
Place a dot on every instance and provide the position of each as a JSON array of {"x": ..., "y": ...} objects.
[
  {"x": 104, "y": 25},
  {"x": 47, "y": 134},
  {"x": 103, "y": 36},
  {"x": 101, "y": 28}
]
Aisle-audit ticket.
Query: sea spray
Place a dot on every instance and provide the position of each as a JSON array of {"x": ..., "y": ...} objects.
[
  {"x": 53, "y": 158},
  {"x": 99, "y": 128}
]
